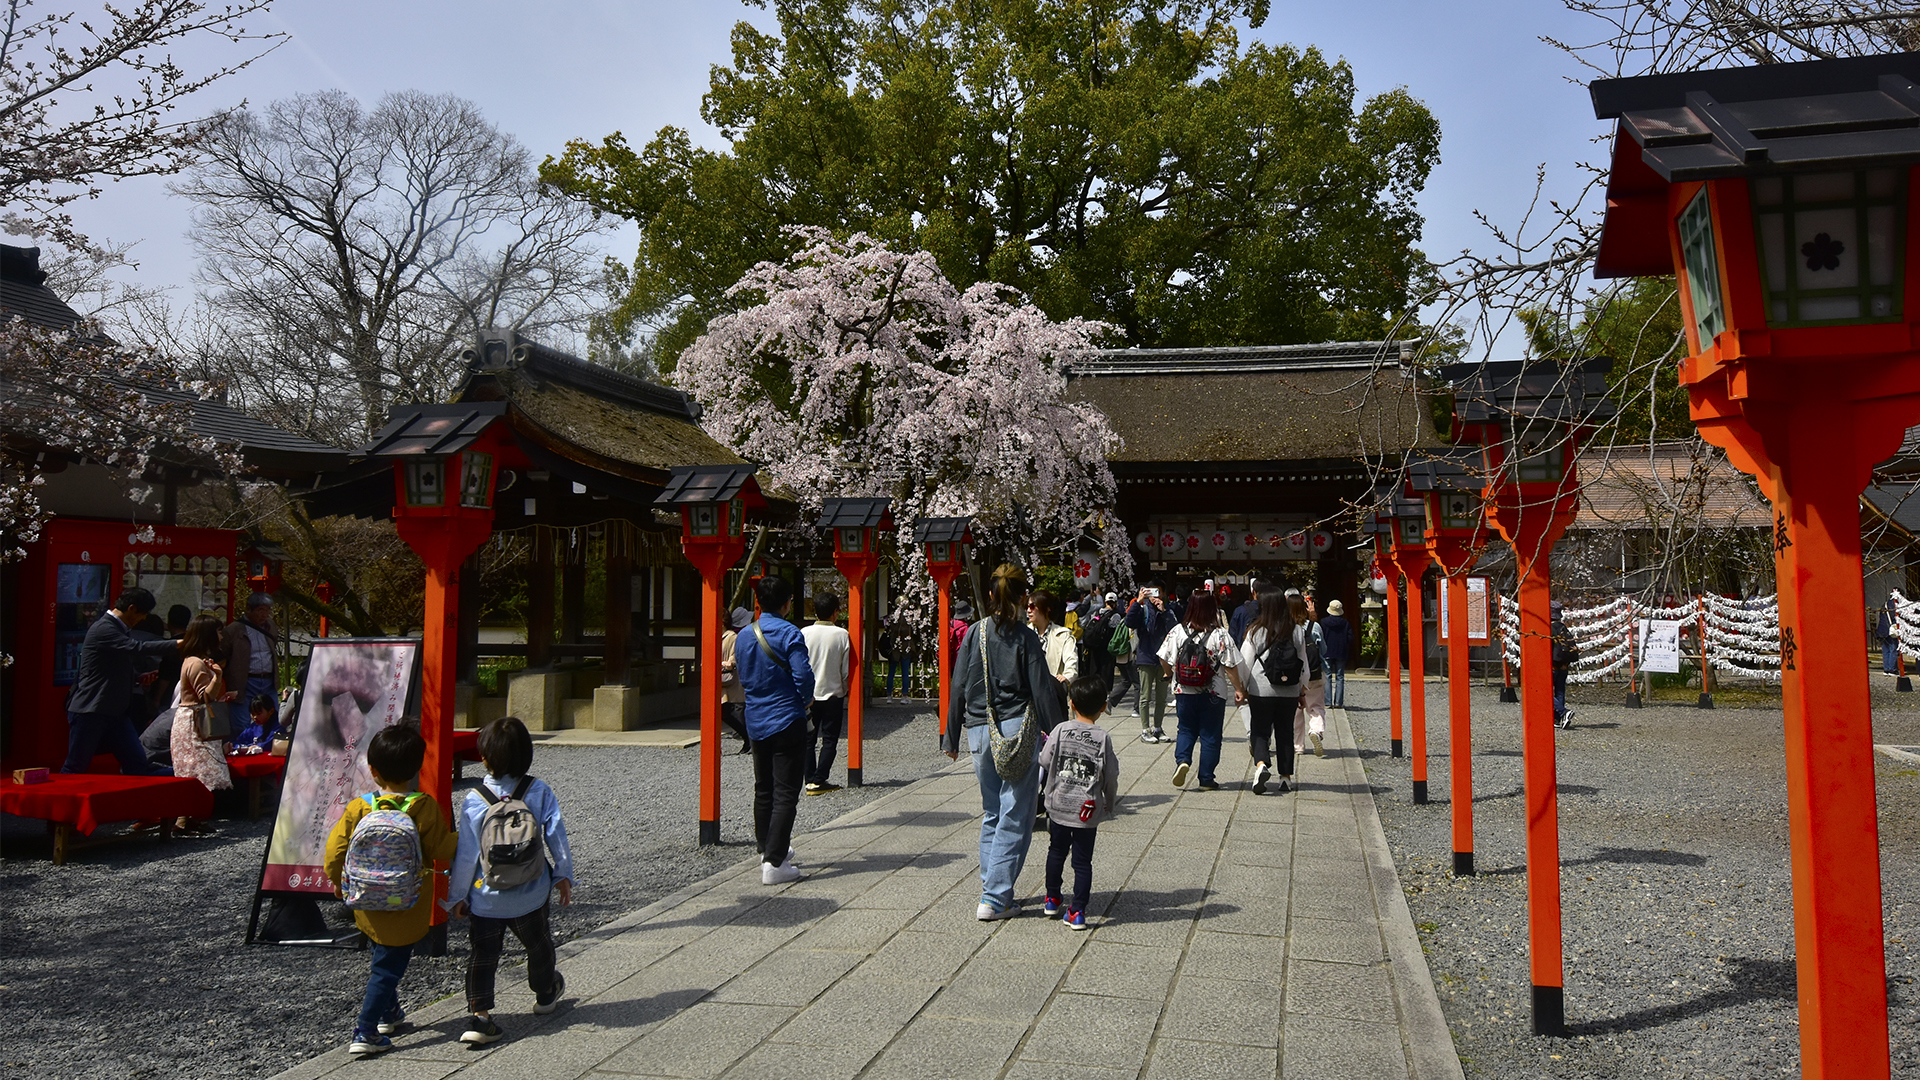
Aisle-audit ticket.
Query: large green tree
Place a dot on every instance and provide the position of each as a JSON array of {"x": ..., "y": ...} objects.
[{"x": 1123, "y": 160}]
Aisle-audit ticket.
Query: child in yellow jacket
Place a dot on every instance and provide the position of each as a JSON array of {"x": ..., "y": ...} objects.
[{"x": 393, "y": 757}]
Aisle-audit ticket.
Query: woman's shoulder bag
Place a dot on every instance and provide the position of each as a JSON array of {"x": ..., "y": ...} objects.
[{"x": 208, "y": 722}]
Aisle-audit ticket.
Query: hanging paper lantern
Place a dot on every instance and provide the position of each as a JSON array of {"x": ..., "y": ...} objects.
[{"x": 1146, "y": 542}]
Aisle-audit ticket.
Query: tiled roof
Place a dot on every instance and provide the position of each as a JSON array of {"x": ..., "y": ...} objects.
[
  {"x": 1648, "y": 488},
  {"x": 853, "y": 513}
]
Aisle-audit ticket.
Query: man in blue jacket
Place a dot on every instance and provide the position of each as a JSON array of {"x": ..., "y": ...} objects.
[
  {"x": 103, "y": 688},
  {"x": 770, "y": 657},
  {"x": 1151, "y": 620}
]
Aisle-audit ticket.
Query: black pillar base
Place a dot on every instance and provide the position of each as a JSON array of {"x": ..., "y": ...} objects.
[
  {"x": 853, "y": 777},
  {"x": 1706, "y": 701},
  {"x": 1549, "y": 1011},
  {"x": 709, "y": 833},
  {"x": 1633, "y": 701},
  {"x": 1463, "y": 864},
  {"x": 1509, "y": 695},
  {"x": 1396, "y": 748},
  {"x": 1420, "y": 791},
  {"x": 1903, "y": 685}
]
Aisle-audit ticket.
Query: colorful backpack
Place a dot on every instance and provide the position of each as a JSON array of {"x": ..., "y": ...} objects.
[
  {"x": 513, "y": 849},
  {"x": 383, "y": 868}
]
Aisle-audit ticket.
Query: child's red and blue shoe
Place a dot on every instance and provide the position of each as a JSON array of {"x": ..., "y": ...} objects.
[
  {"x": 1075, "y": 919},
  {"x": 1051, "y": 907}
]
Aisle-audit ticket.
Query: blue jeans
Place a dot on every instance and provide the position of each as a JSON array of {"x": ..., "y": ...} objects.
[
  {"x": 1559, "y": 693},
  {"x": 904, "y": 667},
  {"x": 383, "y": 986},
  {"x": 1201, "y": 716},
  {"x": 1336, "y": 683},
  {"x": 1006, "y": 821},
  {"x": 827, "y": 717},
  {"x": 1886, "y": 657},
  {"x": 92, "y": 733}
]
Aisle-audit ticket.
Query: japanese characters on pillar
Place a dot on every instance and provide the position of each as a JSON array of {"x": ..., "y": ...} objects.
[
  {"x": 446, "y": 463},
  {"x": 1782, "y": 198},
  {"x": 946, "y": 540},
  {"x": 1527, "y": 418},
  {"x": 1448, "y": 483},
  {"x": 713, "y": 501},
  {"x": 856, "y": 525}
]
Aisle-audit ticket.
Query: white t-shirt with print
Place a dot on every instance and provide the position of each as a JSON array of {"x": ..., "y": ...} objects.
[{"x": 1220, "y": 650}]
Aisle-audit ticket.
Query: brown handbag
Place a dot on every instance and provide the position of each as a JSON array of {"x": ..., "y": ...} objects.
[{"x": 208, "y": 722}]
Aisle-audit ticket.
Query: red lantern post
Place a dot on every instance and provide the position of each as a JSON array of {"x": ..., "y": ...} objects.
[
  {"x": 712, "y": 500},
  {"x": 1410, "y": 558},
  {"x": 855, "y": 526},
  {"x": 1784, "y": 199},
  {"x": 1526, "y": 419},
  {"x": 1456, "y": 534},
  {"x": 945, "y": 539},
  {"x": 446, "y": 461}
]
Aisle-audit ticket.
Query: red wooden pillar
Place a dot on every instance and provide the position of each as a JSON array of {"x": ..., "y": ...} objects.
[
  {"x": 856, "y": 568},
  {"x": 1413, "y": 563},
  {"x": 1393, "y": 655},
  {"x": 712, "y": 560},
  {"x": 1459, "y": 725},
  {"x": 944, "y": 576}
]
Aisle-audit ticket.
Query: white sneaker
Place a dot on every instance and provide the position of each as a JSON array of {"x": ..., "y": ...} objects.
[
  {"x": 1260, "y": 778},
  {"x": 779, "y": 875},
  {"x": 989, "y": 913},
  {"x": 1180, "y": 774},
  {"x": 1318, "y": 749}
]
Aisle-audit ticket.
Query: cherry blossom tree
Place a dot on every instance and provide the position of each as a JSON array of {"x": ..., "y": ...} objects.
[{"x": 855, "y": 370}]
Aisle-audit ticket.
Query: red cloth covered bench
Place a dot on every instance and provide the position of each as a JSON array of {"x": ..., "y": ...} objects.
[{"x": 82, "y": 802}]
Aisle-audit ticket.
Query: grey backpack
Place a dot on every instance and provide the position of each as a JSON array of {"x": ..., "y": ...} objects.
[{"x": 513, "y": 849}]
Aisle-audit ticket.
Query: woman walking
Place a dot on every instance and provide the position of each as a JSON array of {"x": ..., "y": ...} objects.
[
  {"x": 202, "y": 685},
  {"x": 1000, "y": 678},
  {"x": 1311, "y": 719},
  {"x": 1063, "y": 653},
  {"x": 1200, "y": 658},
  {"x": 1276, "y": 652}
]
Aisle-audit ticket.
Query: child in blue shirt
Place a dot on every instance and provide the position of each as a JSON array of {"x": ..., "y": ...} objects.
[{"x": 507, "y": 749}]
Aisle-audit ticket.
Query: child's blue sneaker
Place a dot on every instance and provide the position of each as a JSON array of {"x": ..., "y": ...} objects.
[
  {"x": 1051, "y": 907},
  {"x": 391, "y": 1025},
  {"x": 1076, "y": 920},
  {"x": 367, "y": 1043}
]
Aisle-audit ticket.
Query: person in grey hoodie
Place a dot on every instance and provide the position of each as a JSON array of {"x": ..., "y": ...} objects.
[
  {"x": 1083, "y": 784},
  {"x": 1017, "y": 664}
]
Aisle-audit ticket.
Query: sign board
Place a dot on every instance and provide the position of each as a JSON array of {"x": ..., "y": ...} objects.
[
  {"x": 355, "y": 687},
  {"x": 1479, "y": 617},
  {"x": 1660, "y": 645}
]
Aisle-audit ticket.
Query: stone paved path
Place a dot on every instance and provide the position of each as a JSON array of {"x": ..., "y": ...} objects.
[{"x": 1234, "y": 936}]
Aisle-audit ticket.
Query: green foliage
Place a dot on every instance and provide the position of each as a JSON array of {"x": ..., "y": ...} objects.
[
  {"x": 1057, "y": 580},
  {"x": 1638, "y": 324},
  {"x": 1125, "y": 160}
]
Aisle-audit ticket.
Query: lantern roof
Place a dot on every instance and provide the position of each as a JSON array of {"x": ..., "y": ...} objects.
[
  {"x": 1498, "y": 391},
  {"x": 942, "y": 530},
  {"x": 1454, "y": 469},
  {"x": 1391, "y": 500},
  {"x": 710, "y": 483},
  {"x": 855, "y": 514},
  {"x": 1731, "y": 122},
  {"x": 433, "y": 430}
]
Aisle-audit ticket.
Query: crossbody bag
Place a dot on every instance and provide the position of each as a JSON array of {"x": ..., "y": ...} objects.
[{"x": 1012, "y": 757}]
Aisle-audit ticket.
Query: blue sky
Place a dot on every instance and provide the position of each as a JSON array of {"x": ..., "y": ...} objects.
[{"x": 585, "y": 68}]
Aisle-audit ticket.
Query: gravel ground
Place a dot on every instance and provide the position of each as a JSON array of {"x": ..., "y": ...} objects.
[
  {"x": 1678, "y": 915},
  {"x": 128, "y": 962}
]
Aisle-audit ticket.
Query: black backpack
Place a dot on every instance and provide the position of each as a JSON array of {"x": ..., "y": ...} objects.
[
  {"x": 1281, "y": 666},
  {"x": 1315, "y": 669},
  {"x": 1192, "y": 665}
]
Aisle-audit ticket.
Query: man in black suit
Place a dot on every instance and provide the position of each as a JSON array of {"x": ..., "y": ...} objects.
[{"x": 104, "y": 685}]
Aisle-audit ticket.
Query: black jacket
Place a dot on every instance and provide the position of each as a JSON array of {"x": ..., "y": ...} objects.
[{"x": 104, "y": 683}]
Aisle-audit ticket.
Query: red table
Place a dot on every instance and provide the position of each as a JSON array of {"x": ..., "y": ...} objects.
[
  {"x": 466, "y": 745},
  {"x": 254, "y": 769},
  {"x": 82, "y": 802}
]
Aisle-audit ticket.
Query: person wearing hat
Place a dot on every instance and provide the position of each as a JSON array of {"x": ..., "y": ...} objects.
[
  {"x": 247, "y": 643},
  {"x": 1338, "y": 634},
  {"x": 1564, "y": 654},
  {"x": 733, "y": 706}
]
